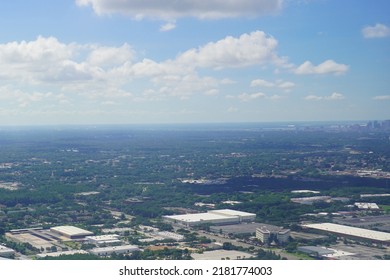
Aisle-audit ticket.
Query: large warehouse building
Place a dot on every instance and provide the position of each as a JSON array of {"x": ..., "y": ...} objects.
[
  {"x": 106, "y": 251},
  {"x": 352, "y": 232},
  {"x": 71, "y": 232},
  {"x": 216, "y": 217}
]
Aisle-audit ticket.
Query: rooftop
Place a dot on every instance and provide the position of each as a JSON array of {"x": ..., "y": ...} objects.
[
  {"x": 198, "y": 217},
  {"x": 230, "y": 212},
  {"x": 71, "y": 230},
  {"x": 353, "y": 231}
]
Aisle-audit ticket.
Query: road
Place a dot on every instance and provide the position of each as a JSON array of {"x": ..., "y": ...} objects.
[{"x": 222, "y": 240}]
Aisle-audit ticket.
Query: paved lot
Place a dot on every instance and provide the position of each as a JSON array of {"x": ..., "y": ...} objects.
[
  {"x": 221, "y": 254},
  {"x": 361, "y": 252}
]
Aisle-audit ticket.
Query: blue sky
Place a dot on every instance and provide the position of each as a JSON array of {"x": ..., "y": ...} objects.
[{"x": 133, "y": 61}]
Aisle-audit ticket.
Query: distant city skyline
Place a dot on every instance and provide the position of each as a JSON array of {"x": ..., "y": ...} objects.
[{"x": 125, "y": 62}]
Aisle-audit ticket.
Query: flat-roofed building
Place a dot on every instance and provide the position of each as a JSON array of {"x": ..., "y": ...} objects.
[
  {"x": 266, "y": 233},
  {"x": 63, "y": 253},
  {"x": 215, "y": 217},
  {"x": 352, "y": 232},
  {"x": 6, "y": 252},
  {"x": 102, "y": 240},
  {"x": 243, "y": 216},
  {"x": 106, "y": 251},
  {"x": 367, "y": 206},
  {"x": 71, "y": 232}
]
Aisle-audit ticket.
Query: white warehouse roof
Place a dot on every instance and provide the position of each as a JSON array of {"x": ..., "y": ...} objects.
[
  {"x": 193, "y": 218},
  {"x": 224, "y": 216},
  {"x": 352, "y": 231},
  {"x": 116, "y": 249},
  {"x": 71, "y": 231},
  {"x": 230, "y": 212}
]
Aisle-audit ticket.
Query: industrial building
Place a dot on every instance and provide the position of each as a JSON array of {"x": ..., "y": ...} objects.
[
  {"x": 216, "y": 217},
  {"x": 351, "y": 232},
  {"x": 63, "y": 253},
  {"x": 106, "y": 251},
  {"x": 367, "y": 206},
  {"x": 221, "y": 255},
  {"x": 268, "y": 233},
  {"x": 36, "y": 237},
  {"x": 71, "y": 232},
  {"x": 103, "y": 240},
  {"x": 325, "y": 253},
  {"x": 6, "y": 252}
]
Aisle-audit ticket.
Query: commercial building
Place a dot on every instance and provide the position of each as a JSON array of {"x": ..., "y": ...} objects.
[
  {"x": 36, "y": 237},
  {"x": 102, "y": 240},
  {"x": 106, "y": 251},
  {"x": 242, "y": 216},
  {"x": 216, "y": 217},
  {"x": 221, "y": 255},
  {"x": 367, "y": 206},
  {"x": 312, "y": 199},
  {"x": 351, "y": 232},
  {"x": 325, "y": 253},
  {"x": 6, "y": 252},
  {"x": 63, "y": 253},
  {"x": 71, "y": 232},
  {"x": 268, "y": 233}
]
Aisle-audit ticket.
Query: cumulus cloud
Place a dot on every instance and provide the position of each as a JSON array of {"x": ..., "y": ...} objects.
[
  {"x": 377, "y": 31},
  {"x": 382, "y": 97},
  {"x": 245, "y": 97},
  {"x": 327, "y": 67},
  {"x": 333, "y": 96},
  {"x": 46, "y": 60},
  {"x": 285, "y": 85},
  {"x": 110, "y": 56},
  {"x": 173, "y": 9},
  {"x": 261, "y": 83},
  {"x": 248, "y": 49},
  {"x": 168, "y": 27}
]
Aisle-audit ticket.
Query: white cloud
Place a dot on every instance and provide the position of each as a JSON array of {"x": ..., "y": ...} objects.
[
  {"x": 377, "y": 31},
  {"x": 313, "y": 97},
  {"x": 97, "y": 71},
  {"x": 232, "y": 109},
  {"x": 261, "y": 83},
  {"x": 46, "y": 60},
  {"x": 110, "y": 56},
  {"x": 382, "y": 97},
  {"x": 284, "y": 85},
  {"x": 245, "y": 97},
  {"x": 168, "y": 27},
  {"x": 333, "y": 96},
  {"x": 173, "y": 9},
  {"x": 327, "y": 67},
  {"x": 249, "y": 49}
]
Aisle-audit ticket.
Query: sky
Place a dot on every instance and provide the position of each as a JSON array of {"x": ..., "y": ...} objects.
[{"x": 168, "y": 61}]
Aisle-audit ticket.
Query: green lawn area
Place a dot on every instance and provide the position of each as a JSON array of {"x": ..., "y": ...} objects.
[{"x": 385, "y": 208}]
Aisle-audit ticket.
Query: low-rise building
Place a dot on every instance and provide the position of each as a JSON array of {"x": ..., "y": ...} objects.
[
  {"x": 63, "y": 253},
  {"x": 102, "y": 240},
  {"x": 352, "y": 232},
  {"x": 71, "y": 232},
  {"x": 6, "y": 252},
  {"x": 215, "y": 217},
  {"x": 268, "y": 233},
  {"x": 106, "y": 251},
  {"x": 367, "y": 206}
]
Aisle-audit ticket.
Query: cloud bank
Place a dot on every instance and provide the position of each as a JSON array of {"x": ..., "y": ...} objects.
[
  {"x": 173, "y": 9},
  {"x": 377, "y": 31},
  {"x": 327, "y": 67}
]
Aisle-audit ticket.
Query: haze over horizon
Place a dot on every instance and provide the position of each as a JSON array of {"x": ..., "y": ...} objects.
[{"x": 133, "y": 62}]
